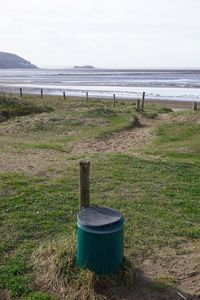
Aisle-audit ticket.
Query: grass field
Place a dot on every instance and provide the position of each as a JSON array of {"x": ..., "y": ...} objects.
[{"x": 147, "y": 165}]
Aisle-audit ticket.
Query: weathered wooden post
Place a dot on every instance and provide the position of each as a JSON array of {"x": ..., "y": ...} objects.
[
  {"x": 41, "y": 93},
  {"x": 63, "y": 95},
  {"x": 100, "y": 232},
  {"x": 21, "y": 93},
  {"x": 143, "y": 98},
  {"x": 86, "y": 96},
  {"x": 84, "y": 184},
  {"x": 114, "y": 100},
  {"x": 138, "y": 105},
  {"x": 194, "y": 106}
]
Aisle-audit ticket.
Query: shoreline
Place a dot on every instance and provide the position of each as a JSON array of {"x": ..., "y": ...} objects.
[
  {"x": 107, "y": 92},
  {"x": 164, "y": 85},
  {"x": 171, "y": 103}
]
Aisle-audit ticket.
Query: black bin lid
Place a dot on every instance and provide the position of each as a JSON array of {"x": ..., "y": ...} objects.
[{"x": 99, "y": 217}]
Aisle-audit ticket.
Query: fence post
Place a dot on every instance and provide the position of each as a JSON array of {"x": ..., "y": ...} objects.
[
  {"x": 143, "y": 98},
  {"x": 114, "y": 100},
  {"x": 63, "y": 95},
  {"x": 138, "y": 105},
  {"x": 41, "y": 93},
  {"x": 86, "y": 96},
  {"x": 194, "y": 107},
  {"x": 84, "y": 183},
  {"x": 21, "y": 93}
]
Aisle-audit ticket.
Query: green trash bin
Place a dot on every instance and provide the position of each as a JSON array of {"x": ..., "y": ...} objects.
[{"x": 100, "y": 240}]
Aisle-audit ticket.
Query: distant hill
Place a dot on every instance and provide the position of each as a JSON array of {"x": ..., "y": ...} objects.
[{"x": 13, "y": 61}]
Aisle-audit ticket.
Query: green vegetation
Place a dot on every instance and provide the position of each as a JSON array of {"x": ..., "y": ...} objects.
[
  {"x": 179, "y": 139},
  {"x": 12, "y": 107},
  {"x": 155, "y": 187}
]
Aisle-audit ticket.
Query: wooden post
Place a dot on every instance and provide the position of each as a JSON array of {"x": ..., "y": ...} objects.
[
  {"x": 84, "y": 183},
  {"x": 138, "y": 105},
  {"x": 114, "y": 100},
  {"x": 86, "y": 96},
  {"x": 41, "y": 93},
  {"x": 194, "y": 107},
  {"x": 63, "y": 95},
  {"x": 21, "y": 93},
  {"x": 143, "y": 98}
]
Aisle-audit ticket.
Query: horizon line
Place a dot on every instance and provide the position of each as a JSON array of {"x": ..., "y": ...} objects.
[{"x": 117, "y": 68}]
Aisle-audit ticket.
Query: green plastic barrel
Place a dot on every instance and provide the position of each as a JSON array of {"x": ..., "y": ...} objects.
[{"x": 100, "y": 240}]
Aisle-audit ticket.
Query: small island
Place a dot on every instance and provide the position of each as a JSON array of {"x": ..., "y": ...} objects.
[
  {"x": 13, "y": 61},
  {"x": 84, "y": 67}
]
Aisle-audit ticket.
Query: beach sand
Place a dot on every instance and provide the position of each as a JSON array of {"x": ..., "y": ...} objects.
[{"x": 175, "y": 105}]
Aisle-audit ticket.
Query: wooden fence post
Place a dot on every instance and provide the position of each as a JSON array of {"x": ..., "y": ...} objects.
[
  {"x": 114, "y": 100},
  {"x": 138, "y": 105},
  {"x": 86, "y": 96},
  {"x": 63, "y": 95},
  {"x": 41, "y": 93},
  {"x": 143, "y": 98},
  {"x": 21, "y": 93},
  {"x": 84, "y": 183},
  {"x": 194, "y": 107}
]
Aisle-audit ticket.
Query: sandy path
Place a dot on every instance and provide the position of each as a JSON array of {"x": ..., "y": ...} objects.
[
  {"x": 181, "y": 263},
  {"x": 49, "y": 162},
  {"x": 127, "y": 141},
  {"x": 40, "y": 162}
]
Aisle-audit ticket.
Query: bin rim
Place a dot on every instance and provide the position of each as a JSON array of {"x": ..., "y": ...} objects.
[
  {"x": 99, "y": 217},
  {"x": 102, "y": 230}
]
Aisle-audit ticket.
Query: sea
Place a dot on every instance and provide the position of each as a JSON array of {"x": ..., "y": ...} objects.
[{"x": 179, "y": 85}]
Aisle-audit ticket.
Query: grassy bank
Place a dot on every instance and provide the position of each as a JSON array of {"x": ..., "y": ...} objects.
[
  {"x": 144, "y": 164},
  {"x": 12, "y": 107}
]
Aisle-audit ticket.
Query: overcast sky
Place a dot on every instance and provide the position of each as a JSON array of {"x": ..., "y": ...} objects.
[{"x": 103, "y": 33}]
